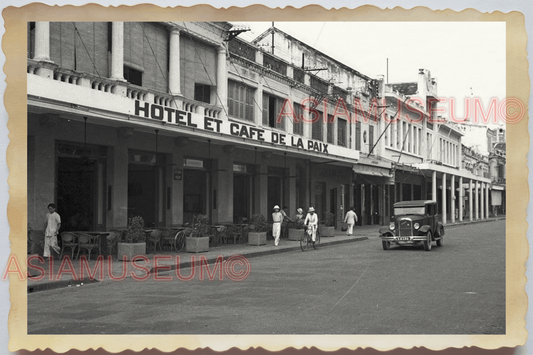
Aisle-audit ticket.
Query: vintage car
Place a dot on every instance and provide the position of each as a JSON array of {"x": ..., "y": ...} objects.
[{"x": 413, "y": 223}]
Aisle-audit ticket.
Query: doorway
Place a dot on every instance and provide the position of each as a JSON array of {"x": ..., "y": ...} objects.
[
  {"x": 76, "y": 193},
  {"x": 333, "y": 204},
  {"x": 194, "y": 194},
  {"x": 241, "y": 198},
  {"x": 274, "y": 194}
]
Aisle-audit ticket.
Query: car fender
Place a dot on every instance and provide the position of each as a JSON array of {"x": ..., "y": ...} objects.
[
  {"x": 440, "y": 229},
  {"x": 424, "y": 229},
  {"x": 384, "y": 230}
]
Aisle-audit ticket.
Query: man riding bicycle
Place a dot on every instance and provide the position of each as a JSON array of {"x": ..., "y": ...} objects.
[{"x": 311, "y": 220}]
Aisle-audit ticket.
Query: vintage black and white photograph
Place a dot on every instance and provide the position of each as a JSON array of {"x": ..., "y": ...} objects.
[{"x": 267, "y": 178}]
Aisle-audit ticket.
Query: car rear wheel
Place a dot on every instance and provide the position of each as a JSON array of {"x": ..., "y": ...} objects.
[
  {"x": 385, "y": 244},
  {"x": 439, "y": 242},
  {"x": 427, "y": 242}
]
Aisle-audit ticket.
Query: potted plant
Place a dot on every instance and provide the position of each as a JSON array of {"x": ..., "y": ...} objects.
[
  {"x": 296, "y": 229},
  {"x": 257, "y": 230},
  {"x": 198, "y": 239},
  {"x": 327, "y": 228},
  {"x": 134, "y": 240}
]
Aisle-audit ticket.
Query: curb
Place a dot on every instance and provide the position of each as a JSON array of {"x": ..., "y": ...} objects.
[
  {"x": 45, "y": 286},
  {"x": 251, "y": 255}
]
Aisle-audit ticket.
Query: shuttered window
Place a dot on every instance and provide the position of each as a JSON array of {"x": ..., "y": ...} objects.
[
  {"x": 298, "y": 124},
  {"x": 197, "y": 64},
  {"x": 146, "y": 52},
  {"x": 341, "y": 132},
  {"x": 81, "y": 46},
  {"x": 240, "y": 101}
]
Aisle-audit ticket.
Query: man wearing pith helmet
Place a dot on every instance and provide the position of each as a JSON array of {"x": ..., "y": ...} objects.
[
  {"x": 312, "y": 221},
  {"x": 277, "y": 218}
]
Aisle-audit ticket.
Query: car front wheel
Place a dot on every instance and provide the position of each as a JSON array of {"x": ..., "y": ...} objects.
[
  {"x": 385, "y": 244},
  {"x": 427, "y": 242}
]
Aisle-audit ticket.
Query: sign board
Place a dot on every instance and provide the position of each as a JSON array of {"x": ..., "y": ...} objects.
[{"x": 193, "y": 163}]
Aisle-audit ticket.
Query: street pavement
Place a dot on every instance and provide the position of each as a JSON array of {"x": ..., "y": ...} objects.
[{"x": 342, "y": 288}]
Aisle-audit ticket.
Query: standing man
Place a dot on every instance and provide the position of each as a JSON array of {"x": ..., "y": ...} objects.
[
  {"x": 277, "y": 218},
  {"x": 312, "y": 221},
  {"x": 350, "y": 219},
  {"x": 51, "y": 230}
]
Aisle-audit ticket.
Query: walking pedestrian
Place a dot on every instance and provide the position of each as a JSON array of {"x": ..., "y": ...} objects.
[
  {"x": 51, "y": 230},
  {"x": 277, "y": 218},
  {"x": 311, "y": 220},
  {"x": 350, "y": 219}
]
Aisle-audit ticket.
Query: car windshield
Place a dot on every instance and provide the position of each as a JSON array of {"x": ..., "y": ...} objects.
[{"x": 409, "y": 210}]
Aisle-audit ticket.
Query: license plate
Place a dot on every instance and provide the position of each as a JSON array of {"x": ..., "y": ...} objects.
[{"x": 403, "y": 238}]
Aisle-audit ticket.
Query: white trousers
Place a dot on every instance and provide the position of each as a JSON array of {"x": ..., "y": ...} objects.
[
  {"x": 276, "y": 231},
  {"x": 50, "y": 242},
  {"x": 350, "y": 229}
]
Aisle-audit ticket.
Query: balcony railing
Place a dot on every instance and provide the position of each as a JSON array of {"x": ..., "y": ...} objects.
[{"x": 133, "y": 92}]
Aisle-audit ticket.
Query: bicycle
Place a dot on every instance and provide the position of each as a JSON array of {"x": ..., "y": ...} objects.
[
  {"x": 307, "y": 239},
  {"x": 179, "y": 239}
]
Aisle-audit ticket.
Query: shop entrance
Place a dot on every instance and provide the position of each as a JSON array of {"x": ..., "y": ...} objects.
[
  {"x": 194, "y": 194},
  {"x": 333, "y": 204},
  {"x": 146, "y": 184},
  {"x": 241, "y": 198},
  {"x": 76, "y": 190},
  {"x": 81, "y": 185}
]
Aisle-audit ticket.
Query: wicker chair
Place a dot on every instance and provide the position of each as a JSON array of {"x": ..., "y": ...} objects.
[
  {"x": 154, "y": 238},
  {"x": 89, "y": 242},
  {"x": 68, "y": 240}
]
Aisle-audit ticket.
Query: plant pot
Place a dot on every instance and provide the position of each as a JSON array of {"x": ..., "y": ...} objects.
[
  {"x": 327, "y": 231},
  {"x": 196, "y": 245},
  {"x": 257, "y": 238},
  {"x": 295, "y": 234},
  {"x": 126, "y": 251}
]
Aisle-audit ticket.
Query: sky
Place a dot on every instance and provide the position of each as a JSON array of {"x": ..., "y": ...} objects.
[{"x": 466, "y": 58}]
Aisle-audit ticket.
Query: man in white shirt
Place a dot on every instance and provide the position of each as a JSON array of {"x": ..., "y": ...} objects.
[{"x": 51, "y": 230}]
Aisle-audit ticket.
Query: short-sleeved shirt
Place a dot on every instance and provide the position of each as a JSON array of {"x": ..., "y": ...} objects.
[{"x": 52, "y": 223}]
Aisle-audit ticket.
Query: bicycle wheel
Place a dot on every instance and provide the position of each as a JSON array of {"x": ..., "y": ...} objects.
[
  {"x": 304, "y": 239},
  {"x": 179, "y": 241},
  {"x": 317, "y": 240}
]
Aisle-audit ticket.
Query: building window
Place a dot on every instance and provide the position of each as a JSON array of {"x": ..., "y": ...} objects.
[
  {"x": 271, "y": 109},
  {"x": 358, "y": 136},
  {"x": 371, "y": 138},
  {"x": 317, "y": 127},
  {"x": 298, "y": 124},
  {"x": 133, "y": 76},
  {"x": 341, "y": 132},
  {"x": 240, "y": 101},
  {"x": 330, "y": 129},
  {"x": 202, "y": 93}
]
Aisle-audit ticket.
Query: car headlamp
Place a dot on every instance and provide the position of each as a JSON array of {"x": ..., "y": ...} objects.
[
  {"x": 416, "y": 226},
  {"x": 391, "y": 226}
]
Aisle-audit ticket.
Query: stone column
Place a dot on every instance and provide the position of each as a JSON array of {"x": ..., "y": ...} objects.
[
  {"x": 117, "y": 51},
  {"x": 477, "y": 201},
  {"x": 174, "y": 80},
  {"x": 482, "y": 200},
  {"x": 470, "y": 201},
  {"x": 434, "y": 186},
  {"x": 222, "y": 80},
  {"x": 461, "y": 199},
  {"x": 487, "y": 205},
  {"x": 42, "y": 42},
  {"x": 443, "y": 198},
  {"x": 452, "y": 196}
]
